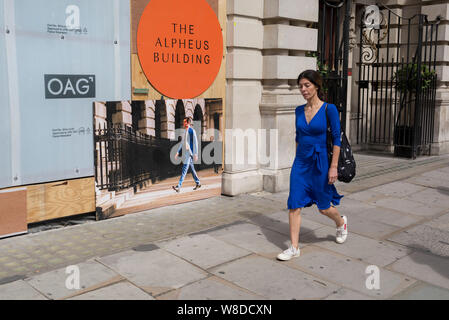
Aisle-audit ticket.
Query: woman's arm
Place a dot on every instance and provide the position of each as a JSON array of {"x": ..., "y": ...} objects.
[{"x": 335, "y": 155}]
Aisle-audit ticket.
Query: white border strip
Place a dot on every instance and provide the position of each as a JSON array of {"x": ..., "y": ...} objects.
[
  {"x": 14, "y": 101},
  {"x": 13, "y": 190},
  {"x": 12, "y": 234}
]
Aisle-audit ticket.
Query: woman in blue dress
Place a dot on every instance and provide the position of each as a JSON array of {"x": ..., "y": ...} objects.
[{"x": 312, "y": 178}]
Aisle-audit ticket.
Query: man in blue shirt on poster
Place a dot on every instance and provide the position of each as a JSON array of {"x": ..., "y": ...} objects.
[{"x": 189, "y": 146}]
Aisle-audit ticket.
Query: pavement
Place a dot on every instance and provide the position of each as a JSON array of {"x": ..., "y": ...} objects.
[{"x": 224, "y": 248}]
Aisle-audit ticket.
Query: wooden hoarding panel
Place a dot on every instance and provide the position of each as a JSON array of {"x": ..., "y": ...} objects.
[
  {"x": 60, "y": 199},
  {"x": 13, "y": 211}
]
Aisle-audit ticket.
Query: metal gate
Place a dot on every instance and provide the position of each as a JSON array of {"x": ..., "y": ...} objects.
[
  {"x": 396, "y": 82},
  {"x": 333, "y": 52},
  {"x": 125, "y": 158}
]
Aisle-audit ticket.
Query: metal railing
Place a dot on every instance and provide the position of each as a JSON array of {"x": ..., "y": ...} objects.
[
  {"x": 125, "y": 158},
  {"x": 397, "y": 83}
]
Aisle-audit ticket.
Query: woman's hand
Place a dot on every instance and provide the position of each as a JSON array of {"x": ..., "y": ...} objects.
[{"x": 333, "y": 175}]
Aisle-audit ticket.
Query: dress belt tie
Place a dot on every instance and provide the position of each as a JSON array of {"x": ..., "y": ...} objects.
[{"x": 314, "y": 154}]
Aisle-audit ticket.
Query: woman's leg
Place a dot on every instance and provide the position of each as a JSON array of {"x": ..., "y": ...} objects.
[
  {"x": 333, "y": 214},
  {"x": 294, "y": 217}
]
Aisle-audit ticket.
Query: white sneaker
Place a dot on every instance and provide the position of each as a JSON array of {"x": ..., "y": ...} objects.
[
  {"x": 289, "y": 253},
  {"x": 342, "y": 232}
]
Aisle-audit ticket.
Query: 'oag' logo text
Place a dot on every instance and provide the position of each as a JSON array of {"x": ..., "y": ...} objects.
[{"x": 59, "y": 86}]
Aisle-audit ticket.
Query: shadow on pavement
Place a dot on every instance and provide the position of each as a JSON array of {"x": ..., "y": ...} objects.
[
  {"x": 441, "y": 267},
  {"x": 306, "y": 235}
]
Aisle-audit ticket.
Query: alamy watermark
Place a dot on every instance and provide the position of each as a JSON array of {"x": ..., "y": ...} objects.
[
  {"x": 372, "y": 17},
  {"x": 373, "y": 280},
  {"x": 73, "y": 280},
  {"x": 244, "y": 147}
]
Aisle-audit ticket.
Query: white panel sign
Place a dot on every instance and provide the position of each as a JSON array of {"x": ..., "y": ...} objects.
[{"x": 59, "y": 57}]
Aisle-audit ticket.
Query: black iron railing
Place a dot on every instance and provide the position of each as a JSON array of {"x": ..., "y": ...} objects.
[
  {"x": 397, "y": 83},
  {"x": 125, "y": 158},
  {"x": 333, "y": 52}
]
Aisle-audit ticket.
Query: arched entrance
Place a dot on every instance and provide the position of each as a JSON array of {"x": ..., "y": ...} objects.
[
  {"x": 159, "y": 115},
  {"x": 136, "y": 113},
  {"x": 180, "y": 114},
  {"x": 198, "y": 121}
]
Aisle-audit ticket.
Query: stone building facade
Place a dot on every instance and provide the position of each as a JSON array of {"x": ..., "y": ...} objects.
[
  {"x": 160, "y": 118},
  {"x": 267, "y": 43}
]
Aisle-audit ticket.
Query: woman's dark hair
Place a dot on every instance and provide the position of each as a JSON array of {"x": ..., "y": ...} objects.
[{"x": 314, "y": 77}]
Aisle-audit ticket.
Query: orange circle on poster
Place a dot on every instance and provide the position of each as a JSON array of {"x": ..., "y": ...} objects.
[{"x": 180, "y": 46}]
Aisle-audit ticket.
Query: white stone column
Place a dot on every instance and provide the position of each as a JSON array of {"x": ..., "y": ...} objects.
[
  {"x": 147, "y": 124},
  {"x": 243, "y": 95},
  {"x": 123, "y": 114},
  {"x": 267, "y": 42},
  {"x": 100, "y": 115},
  {"x": 441, "y": 130},
  {"x": 287, "y": 38},
  {"x": 168, "y": 120}
]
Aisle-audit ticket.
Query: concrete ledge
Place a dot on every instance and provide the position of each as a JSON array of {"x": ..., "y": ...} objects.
[
  {"x": 432, "y": 11},
  {"x": 291, "y": 9},
  {"x": 278, "y": 36},
  {"x": 124, "y": 106},
  {"x": 244, "y": 32},
  {"x": 277, "y": 180},
  {"x": 440, "y": 148},
  {"x": 241, "y": 182},
  {"x": 244, "y": 65},
  {"x": 251, "y": 8},
  {"x": 286, "y": 67}
]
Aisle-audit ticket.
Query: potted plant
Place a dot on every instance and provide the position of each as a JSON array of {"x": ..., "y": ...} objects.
[{"x": 406, "y": 82}]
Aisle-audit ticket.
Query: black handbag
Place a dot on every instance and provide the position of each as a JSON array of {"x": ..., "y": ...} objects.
[{"x": 346, "y": 163}]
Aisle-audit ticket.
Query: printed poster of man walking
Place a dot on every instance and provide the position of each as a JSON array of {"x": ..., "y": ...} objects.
[{"x": 165, "y": 146}]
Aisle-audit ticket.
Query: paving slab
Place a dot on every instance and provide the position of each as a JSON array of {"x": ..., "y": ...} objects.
[
  {"x": 350, "y": 206},
  {"x": 312, "y": 214},
  {"x": 212, "y": 288},
  {"x": 203, "y": 250},
  {"x": 350, "y": 273},
  {"x": 431, "y": 182},
  {"x": 441, "y": 222},
  {"x": 426, "y": 267},
  {"x": 253, "y": 238},
  {"x": 423, "y": 291},
  {"x": 408, "y": 205},
  {"x": 366, "y": 195},
  {"x": 19, "y": 290},
  {"x": 347, "y": 294},
  {"x": 279, "y": 222},
  {"x": 398, "y": 189},
  {"x": 437, "y": 197},
  {"x": 369, "y": 228},
  {"x": 156, "y": 271},
  {"x": 91, "y": 274},
  {"x": 424, "y": 237},
  {"x": 273, "y": 280},
  {"x": 390, "y": 217},
  {"x": 442, "y": 174},
  {"x": 119, "y": 291},
  {"x": 358, "y": 247}
]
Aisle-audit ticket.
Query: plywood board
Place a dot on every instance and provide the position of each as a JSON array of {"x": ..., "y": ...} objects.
[
  {"x": 13, "y": 211},
  {"x": 60, "y": 199}
]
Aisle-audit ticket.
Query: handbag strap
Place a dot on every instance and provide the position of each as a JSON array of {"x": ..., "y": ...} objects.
[{"x": 327, "y": 119}]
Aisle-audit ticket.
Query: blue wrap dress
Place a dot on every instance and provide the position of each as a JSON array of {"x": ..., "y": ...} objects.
[{"x": 309, "y": 182}]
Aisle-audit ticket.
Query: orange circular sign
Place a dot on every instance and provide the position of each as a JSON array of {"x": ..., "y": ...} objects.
[{"x": 180, "y": 46}]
